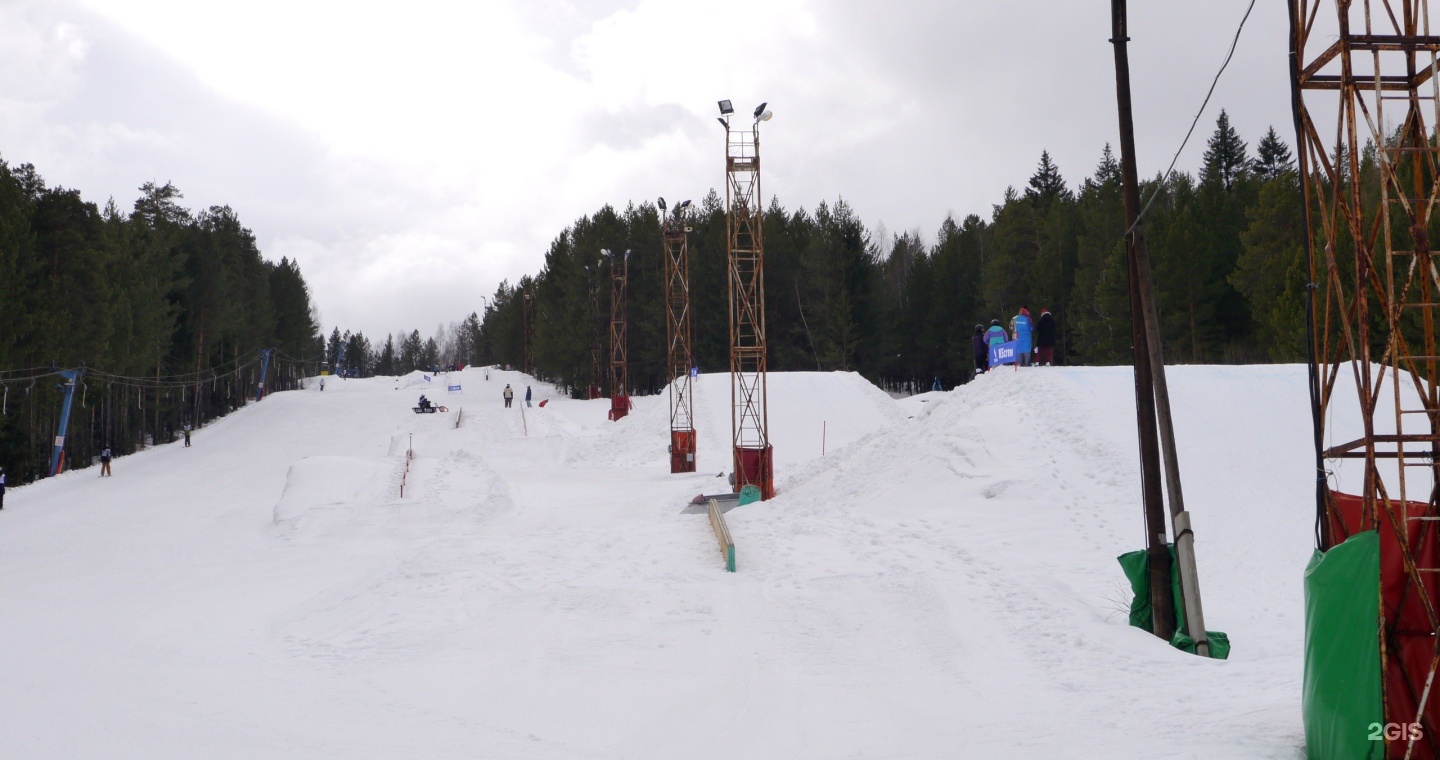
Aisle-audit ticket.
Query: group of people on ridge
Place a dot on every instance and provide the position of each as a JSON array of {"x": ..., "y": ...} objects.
[{"x": 1037, "y": 337}]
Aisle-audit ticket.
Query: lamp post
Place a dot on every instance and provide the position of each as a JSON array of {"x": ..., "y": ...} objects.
[{"x": 753, "y": 456}]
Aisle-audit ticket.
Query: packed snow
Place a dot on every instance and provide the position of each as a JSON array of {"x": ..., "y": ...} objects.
[{"x": 936, "y": 578}]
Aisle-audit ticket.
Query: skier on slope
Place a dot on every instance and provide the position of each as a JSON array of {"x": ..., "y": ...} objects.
[
  {"x": 187, "y": 435},
  {"x": 1045, "y": 338},
  {"x": 980, "y": 350},
  {"x": 509, "y": 395},
  {"x": 527, "y": 395},
  {"x": 1020, "y": 327},
  {"x": 105, "y": 461}
]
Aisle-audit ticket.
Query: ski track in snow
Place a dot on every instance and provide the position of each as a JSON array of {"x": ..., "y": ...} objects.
[{"x": 940, "y": 583}]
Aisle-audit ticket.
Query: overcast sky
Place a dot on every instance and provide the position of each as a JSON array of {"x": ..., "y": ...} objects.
[{"x": 413, "y": 155}]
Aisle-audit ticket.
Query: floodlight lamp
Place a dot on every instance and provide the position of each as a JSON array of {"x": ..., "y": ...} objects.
[
  {"x": 681, "y": 206},
  {"x": 661, "y": 203},
  {"x": 725, "y": 108},
  {"x": 765, "y": 116},
  {"x": 760, "y": 109}
]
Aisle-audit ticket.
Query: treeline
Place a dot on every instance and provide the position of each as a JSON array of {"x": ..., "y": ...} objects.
[
  {"x": 1227, "y": 247},
  {"x": 165, "y": 309},
  {"x": 457, "y": 343}
]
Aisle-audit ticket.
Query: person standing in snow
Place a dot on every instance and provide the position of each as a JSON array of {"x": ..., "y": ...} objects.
[
  {"x": 1020, "y": 327},
  {"x": 322, "y": 383},
  {"x": 527, "y": 395},
  {"x": 1045, "y": 338},
  {"x": 2, "y": 487},
  {"x": 996, "y": 334},
  {"x": 980, "y": 350},
  {"x": 509, "y": 394},
  {"x": 105, "y": 462},
  {"x": 187, "y": 435}
]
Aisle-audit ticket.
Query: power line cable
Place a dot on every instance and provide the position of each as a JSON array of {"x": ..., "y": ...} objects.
[{"x": 1163, "y": 180}]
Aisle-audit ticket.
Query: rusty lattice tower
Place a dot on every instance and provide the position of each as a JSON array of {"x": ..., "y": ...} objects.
[
  {"x": 675, "y": 235},
  {"x": 597, "y": 365},
  {"x": 619, "y": 364},
  {"x": 1367, "y": 103},
  {"x": 527, "y": 359},
  {"x": 749, "y": 423}
]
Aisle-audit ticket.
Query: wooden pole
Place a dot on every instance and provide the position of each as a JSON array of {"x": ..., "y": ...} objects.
[{"x": 1158, "y": 555}]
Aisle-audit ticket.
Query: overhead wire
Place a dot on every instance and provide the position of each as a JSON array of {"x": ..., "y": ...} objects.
[{"x": 1171, "y": 169}]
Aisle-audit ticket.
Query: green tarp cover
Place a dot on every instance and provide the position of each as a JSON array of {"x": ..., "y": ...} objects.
[
  {"x": 1341, "y": 698},
  {"x": 1133, "y": 563}
]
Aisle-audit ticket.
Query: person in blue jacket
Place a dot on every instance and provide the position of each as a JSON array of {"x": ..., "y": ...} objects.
[{"x": 1020, "y": 326}]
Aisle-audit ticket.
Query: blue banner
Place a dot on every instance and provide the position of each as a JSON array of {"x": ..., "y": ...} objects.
[{"x": 1004, "y": 353}]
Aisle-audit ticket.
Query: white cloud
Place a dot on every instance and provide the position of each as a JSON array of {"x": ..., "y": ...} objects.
[{"x": 378, "y": 142}]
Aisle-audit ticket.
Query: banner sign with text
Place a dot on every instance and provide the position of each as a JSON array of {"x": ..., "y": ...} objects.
[{"x": 1004, "y": 353}]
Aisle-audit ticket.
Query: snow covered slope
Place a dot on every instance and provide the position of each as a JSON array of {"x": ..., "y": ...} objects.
[{"x": 941, "y": 583}]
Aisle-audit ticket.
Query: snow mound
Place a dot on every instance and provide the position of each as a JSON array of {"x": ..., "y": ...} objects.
[{"x": 811, "y": 414}]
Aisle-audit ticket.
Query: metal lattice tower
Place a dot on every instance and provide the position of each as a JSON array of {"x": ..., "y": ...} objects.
[
  {"x": 597, "y": 371},
  {"x": 619, "y": 373},
  {"x": 1367, "y": 103},
  {"x": 674, "y": 235},
  {"x": 528, "y": 355},
  {"x": 749, "y": 421}
]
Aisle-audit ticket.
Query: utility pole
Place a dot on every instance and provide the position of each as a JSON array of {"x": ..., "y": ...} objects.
[{"x": 1157, "y": 396}]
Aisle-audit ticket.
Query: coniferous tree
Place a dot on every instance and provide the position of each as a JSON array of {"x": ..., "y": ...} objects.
[
  {"x": 1226, "y": 160},
  {"x": 1273, "y": 157}
]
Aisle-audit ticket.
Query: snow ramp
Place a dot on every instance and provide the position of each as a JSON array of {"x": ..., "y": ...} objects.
[{"x": 1006, "y": 502}]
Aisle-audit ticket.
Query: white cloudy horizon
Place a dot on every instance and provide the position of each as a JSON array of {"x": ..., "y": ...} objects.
[{"x": 413, "y": 158}]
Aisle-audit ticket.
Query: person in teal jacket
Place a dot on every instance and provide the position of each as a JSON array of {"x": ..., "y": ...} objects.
[
  {"x": 1020, "y": 326},
  {"x": 996, "y": 334}
]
